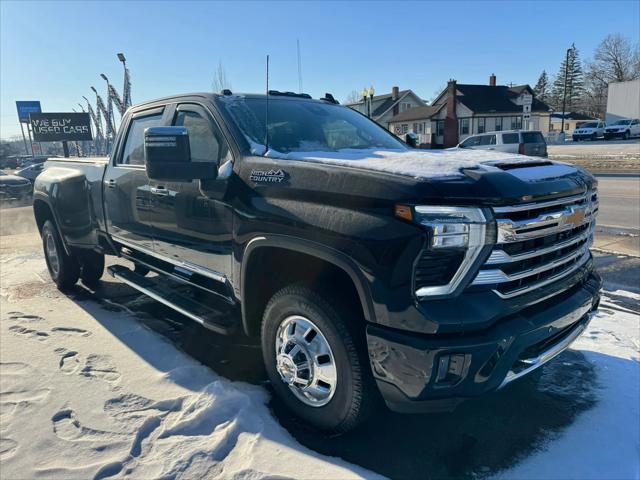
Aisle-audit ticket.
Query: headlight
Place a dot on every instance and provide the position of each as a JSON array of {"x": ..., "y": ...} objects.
[{"x": 462, "y": 229}]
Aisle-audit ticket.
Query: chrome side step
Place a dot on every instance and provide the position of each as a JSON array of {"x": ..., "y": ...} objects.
[{"x": 219, "y": 321}]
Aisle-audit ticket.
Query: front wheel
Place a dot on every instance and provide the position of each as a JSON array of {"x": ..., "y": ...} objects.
[
  {"x": 313, "y": 360},
  {"x": 63, "y": 269},
  {"x": 626, "y": 135}
]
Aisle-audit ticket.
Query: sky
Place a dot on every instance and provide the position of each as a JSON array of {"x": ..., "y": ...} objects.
[{"x": 54, "y": 51}]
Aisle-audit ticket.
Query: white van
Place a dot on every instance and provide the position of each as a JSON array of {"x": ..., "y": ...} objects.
[{"x": 511, "y": 141}]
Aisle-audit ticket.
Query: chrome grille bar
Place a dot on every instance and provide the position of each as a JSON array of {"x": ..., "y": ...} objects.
[
  {"x": 574, "y": 221},
  {"x": 500, "y": 256}
]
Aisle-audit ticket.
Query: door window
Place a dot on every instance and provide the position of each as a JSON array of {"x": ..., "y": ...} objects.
[
  {"x": 487, "y": 140},
  {"x": 509, "y": 138},
  {"x": 205, "y": 142},
  {"x": 134, "y": 147},
  {"x": 470, "y": 142}
]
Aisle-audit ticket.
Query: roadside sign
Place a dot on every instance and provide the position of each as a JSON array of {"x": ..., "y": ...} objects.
[
  {"x": 526, "y": 108},
  {"x": 27, "y": 107},
  {"x": 526, "y": 116},
  {"x": 527, "y": 99},
  {"x": 53, "y": 127}
]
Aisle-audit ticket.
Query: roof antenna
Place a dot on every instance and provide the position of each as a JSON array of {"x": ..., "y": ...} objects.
[
  {"x": 266, "y": 114},
  {"x": 299, "y": 68}
]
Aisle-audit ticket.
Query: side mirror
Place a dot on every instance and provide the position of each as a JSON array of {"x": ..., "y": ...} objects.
[
  {"x": 411, "y": 139},
  {"x": 168, "y": 157}
]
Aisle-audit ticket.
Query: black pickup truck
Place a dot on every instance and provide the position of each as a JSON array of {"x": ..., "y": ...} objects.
[{"x": 367, "y": 268}]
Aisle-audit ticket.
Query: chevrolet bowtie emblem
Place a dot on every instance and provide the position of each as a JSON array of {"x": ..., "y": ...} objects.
[{"x": 575, "y": 216}]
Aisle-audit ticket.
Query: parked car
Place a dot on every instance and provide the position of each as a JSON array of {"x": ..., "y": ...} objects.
[
  {"x": 9, "y": 162},
  {"x": 31, "y": 172},
  {"x": 589, "y": 131},
  {"x": 28, "y": 161},
  {"x": 509, "y": 141},
  {"x": 355, "y": 260},
  {"x": 623, "y": 128},
  {"x": 13, "y": 187}
]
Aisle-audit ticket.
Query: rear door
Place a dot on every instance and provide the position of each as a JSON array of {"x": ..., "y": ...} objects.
[
  {"x": 510, "y": 142},
  {"x": 534, "y": 144},
  {"x": 192, "y": 225},
  {"x": 126, "y": 186}
]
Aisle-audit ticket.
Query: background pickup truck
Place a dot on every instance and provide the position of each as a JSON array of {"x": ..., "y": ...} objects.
[{"x": 368, "y": 269}]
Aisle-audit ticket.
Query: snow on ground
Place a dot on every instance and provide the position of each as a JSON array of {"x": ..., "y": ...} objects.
[
  {"x": 90, "y": 393},
  {"x": 603, "y": 443},
  {"x": 625, "y": 149}
]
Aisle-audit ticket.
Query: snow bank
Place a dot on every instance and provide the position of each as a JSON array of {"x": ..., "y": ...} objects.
[
  {"x": 87, "y": 392},
  {"x": 413, "y": 163}
]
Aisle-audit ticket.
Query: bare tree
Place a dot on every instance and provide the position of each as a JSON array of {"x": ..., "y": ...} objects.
[
  {"x": 615, "y": 60},
  {"x": 354, "y": 96},
  {"x": 220, "y": 81}
]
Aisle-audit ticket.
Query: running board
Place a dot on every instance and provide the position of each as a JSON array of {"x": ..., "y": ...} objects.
[{"x": 219, "y": 321}]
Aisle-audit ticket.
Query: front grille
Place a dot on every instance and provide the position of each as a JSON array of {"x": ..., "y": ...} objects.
[
  {"x": 437, "y": 267},
  {"x": 539, "y": 243}
]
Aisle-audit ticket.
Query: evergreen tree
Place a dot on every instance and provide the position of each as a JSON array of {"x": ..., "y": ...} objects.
[
  {"x": 572, "y": 69},
  {"x": 542, "y": 87}
]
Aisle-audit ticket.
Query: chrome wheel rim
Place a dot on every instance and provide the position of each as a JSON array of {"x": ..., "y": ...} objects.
[
  {"x": 52, "y": 254},
  {"x": 305, "y": 362}
]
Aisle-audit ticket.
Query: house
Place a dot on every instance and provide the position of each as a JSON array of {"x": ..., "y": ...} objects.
[
  {"x": 466, "y": 109},
  {"x": 383, "y": 107},
  {"x": 572, "y": 120},
  {"x": 623, "y": 101}
]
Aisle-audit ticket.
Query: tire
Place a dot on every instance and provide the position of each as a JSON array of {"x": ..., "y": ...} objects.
[
  {"x": 63, "y": 269},
  {"x": 626, "y": 135},
  {"x": 594, "y": 137},
  {"x": 343, "y": 405},
  {"x": 92, "y": 267}
]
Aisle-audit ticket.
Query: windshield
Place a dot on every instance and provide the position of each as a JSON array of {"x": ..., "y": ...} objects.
[
  {"x": 297, "y": 125},
  {"x": 622, "y": 122},
  {"x": 589, "y": 125}
]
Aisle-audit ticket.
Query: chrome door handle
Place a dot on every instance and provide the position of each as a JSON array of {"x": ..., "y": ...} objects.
[
  {"x": 159, "y": 190},
  {"x": 111, "y": 183}
]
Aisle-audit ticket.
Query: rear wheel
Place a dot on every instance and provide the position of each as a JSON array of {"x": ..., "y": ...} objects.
[
  {"x": 313, "y": 360},
  {"x": 64, "y": 269}
]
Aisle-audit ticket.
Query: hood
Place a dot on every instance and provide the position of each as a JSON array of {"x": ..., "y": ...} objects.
[
  {"x": 419, "y": 164},
  {"x": 464, "y": 177},
  {"x": 12, "y": 180}
]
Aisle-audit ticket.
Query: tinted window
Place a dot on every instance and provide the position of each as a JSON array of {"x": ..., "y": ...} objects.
[
  {"x": 635, "y": 122},
  {"x": 470, "y": 142},
  {"x": 510, "y": 138},
  {"x": 205, "y": 144},
  {"x": 134, "y": 148},
  {"x": 532, "y": 137},
  {"x": 589, "y": 125},
  {"x": 488, "y": 140}
]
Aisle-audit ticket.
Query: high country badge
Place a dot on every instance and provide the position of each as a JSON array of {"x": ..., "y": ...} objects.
[{"x": 268, "y": 176}]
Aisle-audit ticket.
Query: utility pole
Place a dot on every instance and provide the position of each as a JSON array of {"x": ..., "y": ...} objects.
[{"x": 564, "y": 93}]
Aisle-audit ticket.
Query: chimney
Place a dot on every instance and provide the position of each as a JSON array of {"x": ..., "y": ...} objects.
[
  {"x": 492, "y": 80},
  {"x": 451, "y": 120},
  {"x": 395, "y": 93}
]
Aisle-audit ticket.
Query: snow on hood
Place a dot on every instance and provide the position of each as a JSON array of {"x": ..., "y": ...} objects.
[{"x": 412, "y": 163}]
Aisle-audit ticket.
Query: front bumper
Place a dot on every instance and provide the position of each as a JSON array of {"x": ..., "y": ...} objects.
[
  {"x": 424, "y": 373},
  {"x": 614, "y": 133},
  {"x": 585, "y": 136}
]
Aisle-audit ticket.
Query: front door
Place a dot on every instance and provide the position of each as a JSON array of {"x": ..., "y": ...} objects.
[
  {"x": 126, "y": 186},
  {"x": 191, "y": 227}
]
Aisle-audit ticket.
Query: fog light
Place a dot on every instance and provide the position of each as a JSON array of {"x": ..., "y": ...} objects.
[{"x": 451, "y": 369}]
